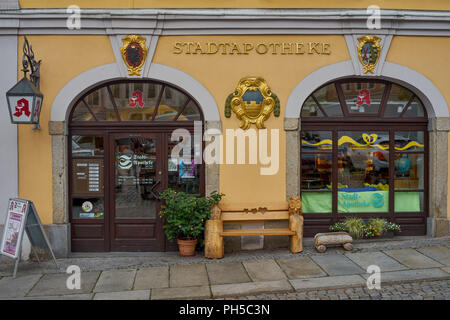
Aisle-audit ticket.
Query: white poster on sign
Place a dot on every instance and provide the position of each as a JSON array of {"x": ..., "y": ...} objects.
[{"x": 14, "y": 226}]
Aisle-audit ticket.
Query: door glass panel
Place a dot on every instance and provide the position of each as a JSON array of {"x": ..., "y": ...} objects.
[
  {"x": 183, "y": 175},
  {"x": 409, "y": 171},
  {"x": 87, "y": 208},
  {"x": 316, "y": 141},
  {"x": 363, "y": 171},
  {"x": 363, "y": 97},
  {"x": 329, "y": 101},
  {"x": 136, "y": 177},
  {"x": 316, "y": 171},
  {"x": 86, "y": 146}
]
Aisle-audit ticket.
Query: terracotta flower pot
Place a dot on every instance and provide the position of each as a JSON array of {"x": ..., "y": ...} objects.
[{"x": 187, "y": 247}]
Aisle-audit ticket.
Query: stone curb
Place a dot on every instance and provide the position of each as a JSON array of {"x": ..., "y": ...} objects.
[{"x": 224, "y": 290}]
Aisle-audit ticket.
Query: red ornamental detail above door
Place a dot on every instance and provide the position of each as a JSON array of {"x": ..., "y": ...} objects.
[
  {"x": 136, "y": 99},
  {"x": 363, "y": 97},
  {"x": 134, "y": 52}
]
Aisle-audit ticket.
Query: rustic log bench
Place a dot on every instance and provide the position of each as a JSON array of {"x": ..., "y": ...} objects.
[
  {"x": 291, "y": 211},
  {"x": 321, "y": 240}
]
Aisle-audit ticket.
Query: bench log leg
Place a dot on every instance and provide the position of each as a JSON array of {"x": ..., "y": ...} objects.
[
  {"x": 213, "y": 239},
  {"x": 296, "y": 225}
]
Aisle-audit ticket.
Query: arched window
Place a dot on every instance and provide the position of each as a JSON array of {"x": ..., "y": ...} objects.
[
  {"x": 135, "y": 101},
  {"x": 364, "y": 152}
]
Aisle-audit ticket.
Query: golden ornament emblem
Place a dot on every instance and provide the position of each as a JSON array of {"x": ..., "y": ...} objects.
[
  {"x": 252, "y": 102},
  {"x": 134, "y": 52},
  {"x": 369, "y": 50}
]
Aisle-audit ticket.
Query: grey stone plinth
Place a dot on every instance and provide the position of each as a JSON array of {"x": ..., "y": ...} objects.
[
  {"x": 365, "y": 259},
  {"x": 59, "y": 237},
  {"x": 115, "y": 280},
  {"x": 229, "y": 272},
  {"x": 188, "y": 275},
  {"x": 413, "y": 259},
  {"x": 200, "y": 292},
  {"x": 336, "y": 264},
  {"x": 328, "y": 282},
  {"x": 149, "y": 278},
  {"x": 224, "y": 290},
  {"x": 264, "y": 270},
  {"x": 300, "y": 268},
  {"x": 54, "y": 284},
  {"x": 124, "y": 295}
]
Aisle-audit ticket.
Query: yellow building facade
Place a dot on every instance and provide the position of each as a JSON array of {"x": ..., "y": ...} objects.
[{"x": 311, "y": 56}]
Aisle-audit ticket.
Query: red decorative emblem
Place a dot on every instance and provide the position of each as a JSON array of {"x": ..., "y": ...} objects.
[
  {"x": 136, "y": 100},
  {"x": 363, "y": 97},
  {"x": 22, "y": 107},
  {"x": 134, "y": 52}
]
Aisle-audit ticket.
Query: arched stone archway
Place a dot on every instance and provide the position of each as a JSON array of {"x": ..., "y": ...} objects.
[
  {"x": 58, "y": 129},
  {"x": 438, "y": 127}
]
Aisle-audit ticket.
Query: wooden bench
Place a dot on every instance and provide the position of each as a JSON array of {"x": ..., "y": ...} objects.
[{"x": 291, "y": 211}]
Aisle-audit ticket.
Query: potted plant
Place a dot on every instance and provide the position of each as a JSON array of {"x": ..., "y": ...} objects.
[
  {"x": 375, "y": 227},
  {"x": 184, "y": 218}
]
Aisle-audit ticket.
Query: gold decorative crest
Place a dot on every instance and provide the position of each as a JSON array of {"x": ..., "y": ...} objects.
[
  {"x": 134, "y": 52},
  {"x": 252, "y": 102},
  {"x": 369, "y": 50}
]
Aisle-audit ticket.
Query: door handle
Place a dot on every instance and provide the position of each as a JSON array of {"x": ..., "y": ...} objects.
[{"x": 154, "y": 192}]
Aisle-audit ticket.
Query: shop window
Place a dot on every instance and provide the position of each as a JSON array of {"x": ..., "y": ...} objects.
[
  {"x": 359, "y": 160},
  {"x": 136, "y": 101}
]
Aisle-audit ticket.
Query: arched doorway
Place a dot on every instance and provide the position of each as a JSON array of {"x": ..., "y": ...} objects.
[
  {"x": 364, "y": 152},
  {"x": 119, "y": 162}
]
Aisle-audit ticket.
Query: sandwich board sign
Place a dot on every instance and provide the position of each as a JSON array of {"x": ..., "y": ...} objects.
[{"x": 22, "y": 216}]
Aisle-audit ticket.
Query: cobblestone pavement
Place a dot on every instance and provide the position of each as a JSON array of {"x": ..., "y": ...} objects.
[{"x": 421, "y": 290}]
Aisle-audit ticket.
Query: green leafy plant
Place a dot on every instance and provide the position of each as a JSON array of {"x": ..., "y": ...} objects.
[
  {"x": 378, "y": 225},
  {"x": 392, "y": 227},
  {"x": 184, "y": 215},
  {"x": 354, "y": 226},
  {"x": 338, "y": 226}
]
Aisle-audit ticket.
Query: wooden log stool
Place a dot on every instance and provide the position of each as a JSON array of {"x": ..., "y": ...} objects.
[
  {"x": 291, "y": 211},
  {"x": 321, "y": 240}
]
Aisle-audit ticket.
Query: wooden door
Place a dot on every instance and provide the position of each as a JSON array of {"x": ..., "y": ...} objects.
[{"x": 136, "y": 180}]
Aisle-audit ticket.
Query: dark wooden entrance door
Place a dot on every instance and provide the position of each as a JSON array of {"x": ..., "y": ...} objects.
[{"x": 136, "y": 179}]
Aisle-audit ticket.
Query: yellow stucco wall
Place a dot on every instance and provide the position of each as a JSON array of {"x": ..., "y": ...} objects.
[
  {"x": 63, "y": 58},
  {"x": 428, "y": 56},
  {"x": 384, "y": 4},
  {"x": 220, "y": 75}
]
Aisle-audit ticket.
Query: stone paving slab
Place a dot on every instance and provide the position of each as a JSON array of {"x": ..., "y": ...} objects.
[
  {"x": 300, "y": 268},
  {"x": 115, "y": 280},
  {"x": 328, "y": 282},
  {"x": 365, "y": 259},
  {"x": 440, "y": 254},
  {"x": 446, "y": 269},
  {"x": 19, "y": 287},
  {"x": 228, "y": 272},
  {"x": 124, "y": 295},
  {"x": 264, "y": 270},
  {"x": 337, "y": 265},
  {"x": 408, "y": 275},
  {"x": 223, "y": 290},
  {"x": 83, "y": 296},
  {"x": 413, "y": 259},
  {"x": 54, "y": 284},
  {"x": 188, "y": 276},
  {"x": 200, "y": 292},
  {"x": 149, "y": 278}
]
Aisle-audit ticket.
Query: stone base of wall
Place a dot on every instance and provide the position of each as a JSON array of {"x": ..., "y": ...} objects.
[
  {"x": 59, "y": 237},
  {"x": 438, "y": 227}
]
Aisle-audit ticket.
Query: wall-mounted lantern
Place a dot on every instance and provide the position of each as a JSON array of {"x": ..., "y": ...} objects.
[{"x": 25, "y": 99}]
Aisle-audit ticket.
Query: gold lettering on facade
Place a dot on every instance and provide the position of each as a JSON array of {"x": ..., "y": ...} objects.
[{"x": 246, "y": 48}]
